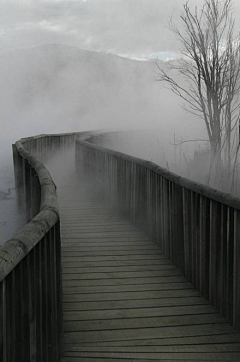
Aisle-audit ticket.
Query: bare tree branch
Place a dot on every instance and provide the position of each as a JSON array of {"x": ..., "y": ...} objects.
[{"x": 210, "y": 71}]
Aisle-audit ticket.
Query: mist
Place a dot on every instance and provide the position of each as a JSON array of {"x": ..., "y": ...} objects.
[
  {"x": 69, "y": 66},
  {"x": 57, "y": 89}
]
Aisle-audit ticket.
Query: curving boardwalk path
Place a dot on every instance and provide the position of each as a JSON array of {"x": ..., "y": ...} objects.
[{"x": 122, "y": 299}]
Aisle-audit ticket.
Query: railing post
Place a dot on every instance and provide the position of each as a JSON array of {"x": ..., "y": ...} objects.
[
  {"x": 178, "y": 235},
  {"x": 24, "y": 311},
  {"x": 19, "y": 178},
  {"x": 1, "y": 321},
  {"x": 28, "y": 195},
  {"x": 45, "y": 291},
  {"x": 59, "y": 287},
  {"x": 33, "y": 286},
  {"x": 14, "y": 310},
  {"x": 39, "y": 302},
  {"x": 236, "y": 271},
  {"x": 3, "y": 317}
]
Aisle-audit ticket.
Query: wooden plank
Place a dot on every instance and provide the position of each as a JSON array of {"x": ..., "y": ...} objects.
[
  {"x": 97, "y": 235},
  {"x": 117, "y": 281},
  {"x": 234, "y": 356},
  {"x": 131, "y": 295},
  {"x": 124, "y": 300},
  {"x": 94, "y": 223},
  {"x": 147, "y": 322},
  {"x": 80, "y": 237},
  {"x": 102, "y": 359},
  {"x": 138, "y": 313},
  {"x": 122, "y": 275},
  {"x": 109, "y": 253},
  {"x": 101, "y": 243},
  {"x": 128, "y": 257},
  {"x": 126, "y": 288},
  {"x": 146, "y": 333},
  {"x": 71, "y": 269},
  {"x": 140, "y": 303},
  {"x": 80, "y": 248},
  {"x": 102, "y": 228},
  {"x": 90, "y": 217},
  {"x": 108, "y": 241},
  {"x": 206, "y": 339},
  {"x": 118, "y": 231},
  {"x": 109, "y": 231},
  {"x": 197, "y": 348},
  {"x": 77, "y": 261}
]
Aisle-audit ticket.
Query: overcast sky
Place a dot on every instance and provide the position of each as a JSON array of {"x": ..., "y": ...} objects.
[{"x": 131, "y": 28}]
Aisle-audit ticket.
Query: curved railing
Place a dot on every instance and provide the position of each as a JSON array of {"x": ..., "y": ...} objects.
[
  {"x": 197, "y": 227},
  {"x": 30, "y": 262}
]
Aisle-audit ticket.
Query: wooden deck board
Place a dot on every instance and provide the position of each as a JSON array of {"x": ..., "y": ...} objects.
[{"x": 122, "y": 299}]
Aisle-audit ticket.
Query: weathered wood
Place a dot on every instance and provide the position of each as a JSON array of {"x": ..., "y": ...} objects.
[
  {"x": 159, "y": 356},
  {"x": 126, "y": 281},
  {"x": 71, "y": 268},
  {"x": 227, "y": 199},
  {"x": 182, "y": 223},
  {"x": 133, "y": 304},
  {"x": 33, "y": 288},
  {"x": 1, "y": 320},
  {"x": 147, "y": 333},
  {"x": 227, "y": 347},
  {"x": 24, "y": 310},
  {"x": 103, "y": 359},
  {"x": 163, "y": 294},
  {"x": 110, "y": 253},
  {"x": 127, "y": 288},
  {"x": 193, "y": 224},
  {"x": 4, "y": 322},
  {"x": 141, "y": 323},
  {"x": 128, "y": 257},
  {"x": 119, "y": 292},
  {"x": 19, "y": 180},
  {"x": 236, "y": 271},
  {"x": 206, "y": 340},
  {"x": 82, "y": 263},
  {"x": 13, "y": 251},
  {"x": 30, "y": 265},
  {"x": 114, "y": 247},
  {"x": 137, "y": 313}
]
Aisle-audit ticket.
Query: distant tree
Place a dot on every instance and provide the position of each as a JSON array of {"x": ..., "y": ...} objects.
[{"x": 210, "y": 67}]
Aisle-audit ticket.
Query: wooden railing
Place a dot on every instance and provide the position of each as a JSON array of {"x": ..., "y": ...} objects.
[
  {"x": 30, "y": 263},
  {"x": 196, "y": 227}
]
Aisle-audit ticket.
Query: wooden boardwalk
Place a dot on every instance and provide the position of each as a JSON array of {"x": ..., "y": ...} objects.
[{"x": 122, "y": 299}]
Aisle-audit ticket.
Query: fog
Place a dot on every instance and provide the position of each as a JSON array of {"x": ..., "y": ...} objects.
[
  {"x": 55, "y": 88},
  {"x": 68, "y": 66}
]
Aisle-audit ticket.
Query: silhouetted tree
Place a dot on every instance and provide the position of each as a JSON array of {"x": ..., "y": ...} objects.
[{"x": 210, "y": 67}]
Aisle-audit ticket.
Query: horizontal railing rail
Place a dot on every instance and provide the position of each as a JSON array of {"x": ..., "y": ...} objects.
[
  {"x": 30, "y": 269},
  {"x": 197, "y": 227},
  {"x": 30, "y": 262}
]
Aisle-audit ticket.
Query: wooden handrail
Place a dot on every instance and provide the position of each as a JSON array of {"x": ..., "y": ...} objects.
[
  {"x": 196, "y": 226},
  {"x": 15, "y": 249},
  {"x": 30, "y": 262},
  {"x": 222, "y": 197}
]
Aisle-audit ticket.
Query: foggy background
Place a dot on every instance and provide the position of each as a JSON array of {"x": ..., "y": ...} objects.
[{"x": 75, "y": 65}]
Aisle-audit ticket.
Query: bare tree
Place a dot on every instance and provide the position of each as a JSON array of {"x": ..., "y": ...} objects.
[{"x": 210, "y": 67}]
